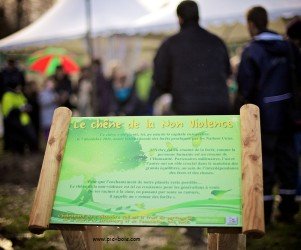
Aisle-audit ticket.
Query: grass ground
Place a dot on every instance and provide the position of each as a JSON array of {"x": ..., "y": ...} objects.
[
  {"x": 15, "y": 203},
  {"x": 279, "y": 237}
]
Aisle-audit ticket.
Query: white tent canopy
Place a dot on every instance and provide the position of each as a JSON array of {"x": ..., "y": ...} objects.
[
  {"x": 212, "y": 12},
  {"x": 67, "y": 20}
]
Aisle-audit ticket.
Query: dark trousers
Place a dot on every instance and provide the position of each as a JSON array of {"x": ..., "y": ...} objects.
[
  {"x": 280, "y": 166},
  {"x": 17, "y": 138}
]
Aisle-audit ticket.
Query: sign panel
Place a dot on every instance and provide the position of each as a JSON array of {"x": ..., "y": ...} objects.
[{"x": 151, "y": 171}]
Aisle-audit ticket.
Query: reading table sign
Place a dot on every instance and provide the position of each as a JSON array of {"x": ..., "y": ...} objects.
[{"x": 181, "y": 171}]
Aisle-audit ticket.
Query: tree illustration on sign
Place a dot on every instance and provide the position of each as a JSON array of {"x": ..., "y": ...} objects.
[{"x": 91, "y": 152}]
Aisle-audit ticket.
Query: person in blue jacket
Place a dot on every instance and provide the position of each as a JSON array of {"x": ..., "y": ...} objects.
[{"x": 264, "y": 79}]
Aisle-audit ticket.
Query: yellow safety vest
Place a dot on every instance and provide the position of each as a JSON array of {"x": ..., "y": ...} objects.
[{"x": 12, "y": 100}]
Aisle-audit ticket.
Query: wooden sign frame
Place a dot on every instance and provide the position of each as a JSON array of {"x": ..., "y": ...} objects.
[{"x": 81, "y": 237}]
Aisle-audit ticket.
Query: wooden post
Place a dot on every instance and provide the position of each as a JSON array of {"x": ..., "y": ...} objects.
[
  {"x": 217, "y": 241},
  {"x": 90, "y": 233},
  {"x": 252, "y": 181},
  {"x": 74, "y": 240},
  {"x": 252, "y": 185},
  {"x": 43, "y": 201},
  {"x": 82, "y": 239},
  {"x": 212, "y": 241},
  {"x": 231, "y": 242}
]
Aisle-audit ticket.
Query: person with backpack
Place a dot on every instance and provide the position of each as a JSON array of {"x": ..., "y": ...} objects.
[{"x": 265, "y": 79}]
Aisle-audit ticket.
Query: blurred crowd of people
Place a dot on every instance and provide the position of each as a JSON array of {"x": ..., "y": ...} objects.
[
  {"x": 27, "y": 107},
  {"x": 194, "y": 68}
]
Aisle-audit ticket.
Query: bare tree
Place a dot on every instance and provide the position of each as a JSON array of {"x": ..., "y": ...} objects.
[
  {"x": 6, "y": 27},
  {"x": 17, "y": 14}
]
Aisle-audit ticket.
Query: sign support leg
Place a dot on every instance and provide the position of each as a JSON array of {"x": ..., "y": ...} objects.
[
  {"x": 92, "y": 236},
  {"x": 74, "y": 239},
  {"x": 88, "y": 238},
  {"x": 226, "y": 241}
]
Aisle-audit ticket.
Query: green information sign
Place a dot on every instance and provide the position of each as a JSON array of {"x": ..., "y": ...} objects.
[{"x": 151, "y": 171}]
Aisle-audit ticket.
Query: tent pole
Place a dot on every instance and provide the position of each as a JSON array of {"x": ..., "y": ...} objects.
[{"x": 88, "y": 34}]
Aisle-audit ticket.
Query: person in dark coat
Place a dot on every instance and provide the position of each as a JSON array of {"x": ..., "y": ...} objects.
[
  {"x": 293, "y": 33},
  {"x": 264, "y": 79},
  {"x": 18, "y": 128},
  {"x": 31, "y": 92},
  {"x": 63, "y": 87},
  {"x": 84, "y": 93},
  {"x": 11, "y": 74},
  {"x": 101, "y": 90},
  {"x": 193, "y": 65}
]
